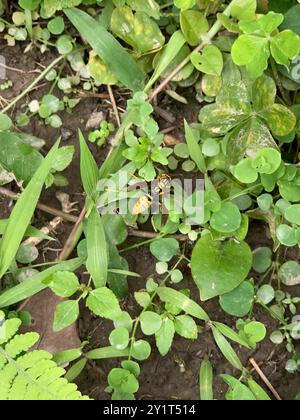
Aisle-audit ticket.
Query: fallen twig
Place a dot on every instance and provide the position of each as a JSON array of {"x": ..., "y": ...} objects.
[{"x": 265, "y": 379}]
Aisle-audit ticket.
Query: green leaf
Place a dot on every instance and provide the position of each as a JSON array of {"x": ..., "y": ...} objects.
[
  {"x": 194, "y": 148},
  {"x": 186, "y": 327},
  {"x": 181, "y": 301},
  {"x": 258, "y": 391},
  {"x": 206, "y": 380},
  {"x": 143, "y": 299},
  {"x": 106, "y": 353},
  {"x": 291, "y": 19},
  {"x": 239, "y": 301},
  {"x": 141, "y": 350},
  {"x": 292, "y": 214},
  {"x": 104, "y": 303},
  {"x": 237, "y": 390},
  {"x": 280, "y": 119},
  {"x": 184, "y": 4},
  {"x": 106, "y": 46},
  {"x": 164, "y": 336},
  {"x": 36, "y": 284},
  {"x": 255, "y": 331},
  {"x": 75, "y": 370},
  {"x": 88, "y": 168},
  {"x": 150, "y": 7},
  {"x": 285, "y": 46},
  {"x": 227, "y": 220},
  {"x": 5, "y": 122},
  {"x": 100, "y": 71},
  {"x": 193, "y": 25},
  {"x": 51, "y": 6},
  {"x": 151, "y": 322},
  {"x": 64, "y": 284},
  {"x": 166, "y": 57},
  {"x": 210, "y": 61},
  {"x": 23, "y": 212},
  {"x": 19, "y": 157},
  {"x": 29, "y": 4},
  {"x": 286, "y": 235},
  {"x": 262, "y": 259},
  {"x": 212, "y": 266},
  {"x": 247, "y": 139},
  {"x": 289, "y": 273},
  {"x": 164, "y": 249},
  {"x": 231, "y": 334},
  {"x": 97, "y": 261},
  {"x": 243, "y": 9},
  {"x": 137, "y": 30},
  {"x": 253, "y": 52},
  {"x": 264, "y": 92},
  {"x": 119, "y": 338},
  {"x": 226, "y": 349},
  {"x": 66, "y": 313},
  {"x": 56, "y": 26},
  {"x": 266, "y": 294}
]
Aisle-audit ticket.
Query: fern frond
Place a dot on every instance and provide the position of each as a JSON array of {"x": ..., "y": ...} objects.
[{"x": 26, "y": 375}]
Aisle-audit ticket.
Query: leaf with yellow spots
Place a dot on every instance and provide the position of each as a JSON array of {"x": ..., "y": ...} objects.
[
  {"x": 100, "y": 71},
  {"x": 280, "y": 119},
  {"x": 137, "y": 30}
]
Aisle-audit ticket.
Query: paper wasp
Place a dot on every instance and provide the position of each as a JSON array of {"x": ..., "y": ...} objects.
[{"x": 161, "y": 185}]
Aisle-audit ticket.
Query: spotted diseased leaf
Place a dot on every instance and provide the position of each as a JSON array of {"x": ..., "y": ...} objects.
[
  {"x": 138, "y": 30},
  {"x": 247, "y": 139},
  {"x": 51, "y": 6},
  {"x": 232, "y": 107},
  {"x": 150, "y": 7},
  {"x": 263, "y": 93},
  {"x": 280, "y": 119},
  {"x": 100, "y": 71}
]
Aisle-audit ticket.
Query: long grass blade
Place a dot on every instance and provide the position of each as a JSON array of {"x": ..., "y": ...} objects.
[
  {"x": 22, "y": 213},
  {"x": 88, "y": 168},
  {"x": 37, "y": 283},
  {"x": 194, "y": 148},
  {"x": 108, "y": 48},
  {"x": 97, "y": 261}
]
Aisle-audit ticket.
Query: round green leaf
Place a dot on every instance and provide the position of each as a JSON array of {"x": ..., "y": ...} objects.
[
  {"x": 219, "y": 267},
  {"x": 119, "y": 338},
  {"x": 277, "y": 337},
  {"x": 141, "y": 350},
  {"x": 265, "y": 202},
  {"x": 64, "y": 44},
  {"x": 27, "y": 254},
  {"x": 164, "y": 249},
  {"x": 64, "y": 283},
  {"x": 245, "y": 172},
  {"x": 150, "y": 322},
  {"x": 5, "y": 122},
  {"x": 267, "y": 161},
  {"x": 262, "y": 259},
  {"x": 227, "y": 220},
  {"x": 292, "y": 214},
  {"x": 256, "y": 331},
  {"x": 124, "y": 321},
  {"x": 286, "y": 235},
  {"x": 239, "y": 301},
  {"x": 266, "y": 294},
  {"x": 211, "y": 147},
  {"x": 56, "y": 26}
]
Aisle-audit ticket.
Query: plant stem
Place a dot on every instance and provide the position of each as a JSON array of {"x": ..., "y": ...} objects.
[
  {"x": 206, "y": 39},
  {"x": 284, "y": 94}
]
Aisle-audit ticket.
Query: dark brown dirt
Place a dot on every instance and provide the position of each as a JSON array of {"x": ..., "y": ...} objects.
[{"x": 161, "y": 378}]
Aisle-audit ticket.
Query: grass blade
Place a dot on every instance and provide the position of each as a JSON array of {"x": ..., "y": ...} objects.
[
  {"x": 194, "y": 148},
  {"x": 97, "y": 261},
  {"x": 23, "y": 211},
  {"x": 88, "y": 168},
  {"x": 108, "y": 48},
  {"x": 170, "y": 52},
  {"x": 226, "y": 349},
  {"x": 106, "y": 353},
  {"x": 183, "y": 302},
  {"x": 37, "y": 283},
  {"x": 206, "y": 380}
]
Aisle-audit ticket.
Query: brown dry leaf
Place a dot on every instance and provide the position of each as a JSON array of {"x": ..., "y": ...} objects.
[
  {"x": 170, "y": 140},
  {"x": 42, "y": 307}
]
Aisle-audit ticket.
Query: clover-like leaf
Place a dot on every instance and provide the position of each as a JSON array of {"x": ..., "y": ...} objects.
[
  {"x": 193, "y": 24},
  {"x": 285, "y": 46},
  {"x": 280, "y": 119},
  {"x": 210, "y": 61}
]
